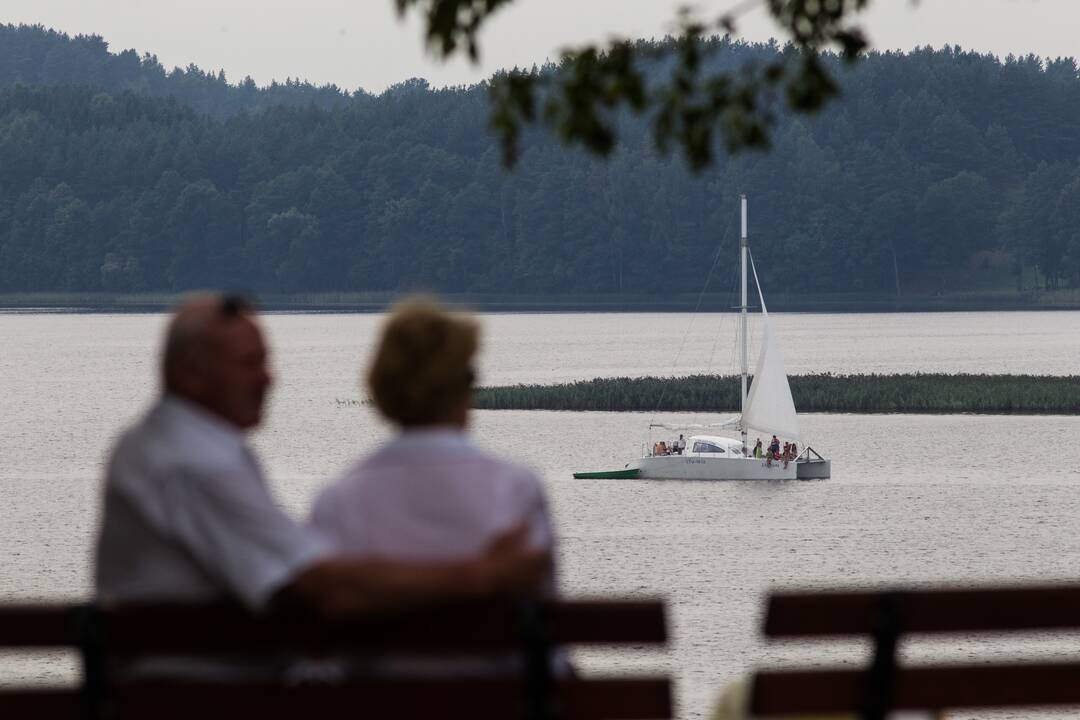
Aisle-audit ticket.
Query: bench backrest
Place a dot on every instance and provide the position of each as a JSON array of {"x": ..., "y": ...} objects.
[
  {"x": 885, "y": 617},
  {"x": 531, "y": 629}
]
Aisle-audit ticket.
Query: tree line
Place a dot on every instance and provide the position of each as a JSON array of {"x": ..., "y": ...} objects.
[
  {"x": 36, "y": 55},
  {"x": 938, "y": 170}
]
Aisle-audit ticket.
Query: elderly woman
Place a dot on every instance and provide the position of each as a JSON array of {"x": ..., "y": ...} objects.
[{"x": 429, "y": 493}]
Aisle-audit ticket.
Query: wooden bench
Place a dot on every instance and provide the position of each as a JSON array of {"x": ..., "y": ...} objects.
[
  {"x": 101, "y": 637},
  {"x": 887, "y": 617}
]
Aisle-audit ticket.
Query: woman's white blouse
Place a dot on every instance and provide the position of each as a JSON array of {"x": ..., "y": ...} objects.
[{"x": 430, "y": 495}]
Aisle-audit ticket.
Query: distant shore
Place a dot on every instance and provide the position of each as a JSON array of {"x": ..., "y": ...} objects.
[
  {"x": 917, "y": 393},
  {"x": 360, "y": 302}
]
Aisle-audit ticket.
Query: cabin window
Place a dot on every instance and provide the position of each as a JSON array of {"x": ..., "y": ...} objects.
[{"x": 704, "y": 447}]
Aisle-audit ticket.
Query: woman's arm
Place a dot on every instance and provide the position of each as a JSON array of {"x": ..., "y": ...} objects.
[{"x": 341, "y": 585}]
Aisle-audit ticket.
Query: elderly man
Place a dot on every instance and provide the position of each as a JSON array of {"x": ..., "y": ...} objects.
[{"x": 187, "y": 514}]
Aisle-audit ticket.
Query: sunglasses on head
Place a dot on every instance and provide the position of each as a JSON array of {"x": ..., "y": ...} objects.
[{"x": 234, "y": 304}]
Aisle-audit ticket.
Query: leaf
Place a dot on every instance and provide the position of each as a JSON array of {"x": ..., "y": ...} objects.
[{"x": 594, "y": 82}]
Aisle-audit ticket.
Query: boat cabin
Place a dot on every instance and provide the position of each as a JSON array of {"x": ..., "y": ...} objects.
[
  {"x": 714, "y": 446},
  {"x": 701, "y": 446}
]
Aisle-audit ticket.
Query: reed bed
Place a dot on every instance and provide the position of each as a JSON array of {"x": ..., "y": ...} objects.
[{"x": 916, "y": 393}]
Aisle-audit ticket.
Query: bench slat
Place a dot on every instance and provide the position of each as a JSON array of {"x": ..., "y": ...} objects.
[
  {"x": 222, "y": 629},
  {"x": 624, "y": 622},
  {"x": 787, "y": 692},
  {"x": 44, "y": 703},
  {"x": 627, "y": 698},
  {"x": 820, "y": 614},
  {"x": 40, "y": 626}
]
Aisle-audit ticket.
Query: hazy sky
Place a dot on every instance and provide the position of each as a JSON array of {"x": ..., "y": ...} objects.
[{"x": 362, "y": 43}]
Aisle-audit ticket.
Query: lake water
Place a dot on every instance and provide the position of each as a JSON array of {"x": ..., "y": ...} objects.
[{"x": 913, "y": 499}]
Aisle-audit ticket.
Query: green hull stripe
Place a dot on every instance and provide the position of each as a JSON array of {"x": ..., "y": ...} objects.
[{"x": 609, "y": 475}]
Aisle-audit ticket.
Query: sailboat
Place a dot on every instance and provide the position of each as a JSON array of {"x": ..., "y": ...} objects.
[{"x": 766, "y": 407}]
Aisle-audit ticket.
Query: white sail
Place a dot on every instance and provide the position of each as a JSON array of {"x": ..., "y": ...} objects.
[{"x": 769, "y": 407}]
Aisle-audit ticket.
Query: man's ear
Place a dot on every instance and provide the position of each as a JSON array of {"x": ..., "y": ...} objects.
[{"x": 194, "y": 370}]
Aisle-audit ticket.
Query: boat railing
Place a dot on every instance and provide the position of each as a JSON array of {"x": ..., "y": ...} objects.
[{"x": 805, "y": 455}]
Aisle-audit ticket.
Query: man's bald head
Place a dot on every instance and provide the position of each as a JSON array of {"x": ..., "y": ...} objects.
[
  {"x": 214, "y": 356},
  {"x": 190, "y": 334}
]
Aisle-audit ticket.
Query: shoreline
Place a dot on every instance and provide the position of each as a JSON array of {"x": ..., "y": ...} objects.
[{"x": 352, "y": 303}]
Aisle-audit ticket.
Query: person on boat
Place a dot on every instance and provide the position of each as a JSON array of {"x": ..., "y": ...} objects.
[
  {"x": 187, "y": 515},
  {"x": 430, "y": 494},
  {"x": 759, "y": 452},
  {"x": 662, "y": 448},
  {"x": 774, "y": 448},
  {"x": 680, "y": 445}
]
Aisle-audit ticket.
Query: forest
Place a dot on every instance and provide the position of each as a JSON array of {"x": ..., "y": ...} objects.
[{"x": 936, "y": 171}]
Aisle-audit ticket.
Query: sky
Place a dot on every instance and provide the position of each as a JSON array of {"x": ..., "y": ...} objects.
[{"x": 363, "y": 44}]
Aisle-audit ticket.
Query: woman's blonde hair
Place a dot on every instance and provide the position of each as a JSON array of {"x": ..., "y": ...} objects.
[{"x": 423, "y": 366}]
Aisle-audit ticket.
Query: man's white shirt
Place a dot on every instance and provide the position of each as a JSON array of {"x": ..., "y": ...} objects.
[{"x": 188, "y": 516}]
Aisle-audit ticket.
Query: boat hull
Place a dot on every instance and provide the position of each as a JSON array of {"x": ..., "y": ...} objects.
[
  {"x": 815, "y": 469},
  {"x": 682, "y": 467}
]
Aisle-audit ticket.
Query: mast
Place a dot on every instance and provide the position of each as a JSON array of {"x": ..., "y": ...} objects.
[{"x": 743, "y": 246}]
